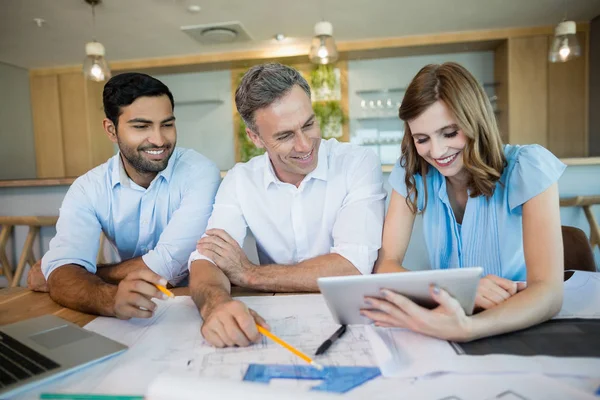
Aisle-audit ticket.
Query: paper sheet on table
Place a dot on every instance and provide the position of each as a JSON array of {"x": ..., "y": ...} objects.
[
  {"x": 175, "y": 387},
  {"x": 582, "y": 296},
  {"x": 448, "y": 386},
  {"x": 403, "y": 353},
  {"x": 497, "y": 387},
  {"x": 170, "y": 341}
]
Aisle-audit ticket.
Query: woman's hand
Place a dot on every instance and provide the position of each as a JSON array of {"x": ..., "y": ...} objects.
[
  {"x": 447, "y": 321},
  {"x": 493, "y": 290}
]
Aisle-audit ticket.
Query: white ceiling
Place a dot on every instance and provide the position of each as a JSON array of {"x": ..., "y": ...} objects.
[{"x": 138, "y": 29}]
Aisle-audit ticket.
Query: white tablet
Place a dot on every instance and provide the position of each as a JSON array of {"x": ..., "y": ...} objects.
[{"x": 345, "y": 294}]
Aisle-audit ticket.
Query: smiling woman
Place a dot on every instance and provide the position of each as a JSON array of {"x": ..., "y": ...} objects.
[{"x": 483, "y": 204}]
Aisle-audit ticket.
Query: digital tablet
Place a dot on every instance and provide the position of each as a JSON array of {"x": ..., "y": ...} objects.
[{"x": 345, "y": 295}]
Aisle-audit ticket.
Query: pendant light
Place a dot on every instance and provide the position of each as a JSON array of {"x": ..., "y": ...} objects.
[
  {"x": 95, "y": 67},
  {"x": 322, "y": 49},
  {"x": 565, "y": 45}
]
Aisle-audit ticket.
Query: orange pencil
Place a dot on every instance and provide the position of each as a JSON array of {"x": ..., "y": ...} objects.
[
  {"x": 289, "y": 347},
  {"x": 165, "y": 290}
]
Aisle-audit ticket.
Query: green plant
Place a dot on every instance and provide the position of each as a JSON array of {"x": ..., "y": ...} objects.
[
  {"x": 327, "y": 106},
  {"x": 246, "y": 147},
  {"x": 330, "y": 116},
  {"x": 323, "y": 76}
]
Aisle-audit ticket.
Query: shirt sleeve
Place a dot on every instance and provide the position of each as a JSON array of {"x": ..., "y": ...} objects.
[
  {"x": 186, "y": 226},
  {"x": 359, "y": 223},
  {"x": 78, "y": 231},
  {"x": 535, "y": 169},
  {"x": 396, "y": 179},
  {"x": 227, "y": 215},
  {"x": 397, "y": 183}
]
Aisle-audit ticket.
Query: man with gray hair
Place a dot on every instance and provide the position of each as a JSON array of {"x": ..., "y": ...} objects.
[{"x": 315, "y": 207}]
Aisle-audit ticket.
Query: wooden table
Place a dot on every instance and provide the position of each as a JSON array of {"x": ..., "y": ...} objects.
[{"x": 18, "y": 303}]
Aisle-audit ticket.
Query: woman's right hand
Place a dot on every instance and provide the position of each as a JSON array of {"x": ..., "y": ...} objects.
[{"x": 493, "y": 290}]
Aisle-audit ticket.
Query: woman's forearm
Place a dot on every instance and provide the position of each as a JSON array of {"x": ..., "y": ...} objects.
[
  {"x": 538, "y": 303},
  {"x": 387, "y": 266}
]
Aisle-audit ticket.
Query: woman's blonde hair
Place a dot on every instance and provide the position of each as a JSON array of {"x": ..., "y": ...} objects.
[{"x": 483, "y": 155}]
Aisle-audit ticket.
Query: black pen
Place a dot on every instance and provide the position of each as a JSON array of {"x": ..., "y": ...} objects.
[{"x": 327, "y": 344}]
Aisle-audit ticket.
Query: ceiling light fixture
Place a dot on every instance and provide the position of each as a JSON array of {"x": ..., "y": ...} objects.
[
  {"x": 95, "y": 66},
  {"x": 280, "y": 37},
  {"x": 322, "y": 49},
  {"x": 565, "y": 45},
  {"x": 39, "y": 22},
  {"x": 194, "y": 8}
]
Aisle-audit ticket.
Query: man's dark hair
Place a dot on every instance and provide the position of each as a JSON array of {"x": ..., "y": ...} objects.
[{"x": 123, "y": 89}]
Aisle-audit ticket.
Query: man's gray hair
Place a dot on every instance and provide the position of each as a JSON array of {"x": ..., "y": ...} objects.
[{"x": 262, "y": 85}]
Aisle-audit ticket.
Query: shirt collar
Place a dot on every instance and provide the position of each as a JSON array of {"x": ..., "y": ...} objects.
[
  {"x": 320, "y": 172},
  {"x": 167, "y": 173},
  {"x": 269, "y": 175},
  {"x": 119, "y": 175}
]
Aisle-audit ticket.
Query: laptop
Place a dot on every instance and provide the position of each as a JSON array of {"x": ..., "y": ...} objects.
[{"x": 43, "y": 348}]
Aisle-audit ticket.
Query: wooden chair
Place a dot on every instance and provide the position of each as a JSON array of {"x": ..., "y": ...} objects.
[
  {"x": 27, "y": 257},
  {"x": 586, "y": 202},
  {"x": 578, "y": 252}
]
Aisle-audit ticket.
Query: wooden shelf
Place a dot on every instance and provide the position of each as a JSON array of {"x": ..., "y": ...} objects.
[
  {"x": 378, "y": 91},
  {"x": 382, "y": 143},
  {"x": 376, "y": 118},
  {"x": 581, "y": 161},
  {"x": 384, "y": 167},
  {"x": 47, "y": 182},
  {"x": 37, "y": 182},
  {"x": 199, "y": 102}
]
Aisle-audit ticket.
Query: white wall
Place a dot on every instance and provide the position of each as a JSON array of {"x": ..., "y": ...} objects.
[
  {"x": 17, "y": 152},
  {"x": 206, "y": 127}
]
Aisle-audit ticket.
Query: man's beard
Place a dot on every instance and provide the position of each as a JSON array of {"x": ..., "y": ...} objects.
[{"x": 142, "y": 164}]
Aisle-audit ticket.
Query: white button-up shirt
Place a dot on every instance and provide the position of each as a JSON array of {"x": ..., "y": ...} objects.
[{"x": 337, "y": 208}]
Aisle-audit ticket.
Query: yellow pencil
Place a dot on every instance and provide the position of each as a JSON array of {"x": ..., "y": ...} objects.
[
  {"x": 165, "y": 290},
  {"x": 289, "y": 347}
]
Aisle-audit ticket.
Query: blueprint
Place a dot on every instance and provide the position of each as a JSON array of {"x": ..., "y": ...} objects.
[
  {"x": 170, "y": 342},
  {"x": 170, "y": 345}
]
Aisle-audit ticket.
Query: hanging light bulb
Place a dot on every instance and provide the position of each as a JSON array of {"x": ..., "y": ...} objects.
[
  {"x": 322, "y": 49},
  {"x": 565, "y": 45},
  {"x": 95, "y": 66}
]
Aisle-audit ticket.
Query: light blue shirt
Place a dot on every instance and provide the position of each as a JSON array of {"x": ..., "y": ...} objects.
[
  {"x": 161, "y": 223},
  {"x": 491, "y": 233}
]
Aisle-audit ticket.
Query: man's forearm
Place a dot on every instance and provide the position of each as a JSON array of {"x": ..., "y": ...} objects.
[
  {"x": 74, "y": 287},
  {"x": 208, "y": 286},
  {"x": 301, "y": 277},
  {"x": 115, "y": 273}
]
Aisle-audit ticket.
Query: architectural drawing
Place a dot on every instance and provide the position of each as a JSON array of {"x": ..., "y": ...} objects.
[{"x": 171, "y": 343}]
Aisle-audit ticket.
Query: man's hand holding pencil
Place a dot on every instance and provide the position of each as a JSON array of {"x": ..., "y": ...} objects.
[
  {"x": 231, "y": 323},
  {"x": 135, "y": 293}
]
